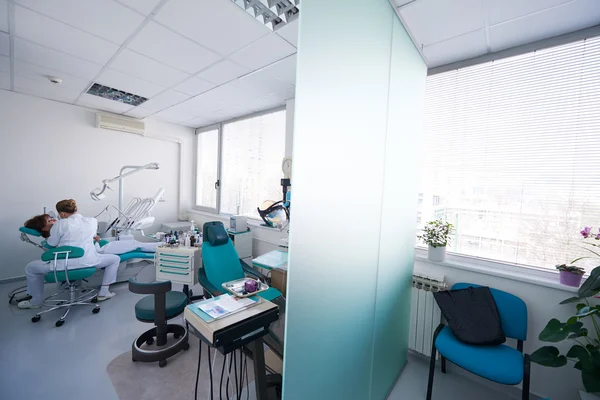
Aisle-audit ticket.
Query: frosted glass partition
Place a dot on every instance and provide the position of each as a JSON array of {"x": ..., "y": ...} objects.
[{"x": 360, "y": 85}]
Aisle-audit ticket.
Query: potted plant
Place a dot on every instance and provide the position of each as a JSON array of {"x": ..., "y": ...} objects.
[
  {"x": 570, "y": 275},
  {"x": 436, "y": 235},
  {"x": 585, "y": 352}
]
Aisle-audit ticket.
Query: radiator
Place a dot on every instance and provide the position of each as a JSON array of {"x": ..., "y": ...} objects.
[{"x": 425, "y": 315}]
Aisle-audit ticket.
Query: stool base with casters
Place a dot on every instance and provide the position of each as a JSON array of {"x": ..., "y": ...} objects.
[
  {"x": 68, "y": 280},
  {"x": 161, "y": 305}
]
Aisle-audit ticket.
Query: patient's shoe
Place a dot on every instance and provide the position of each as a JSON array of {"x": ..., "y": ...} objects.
[
  {"x": 27, "y": 304},
  {"x": 105, "y": 297}
]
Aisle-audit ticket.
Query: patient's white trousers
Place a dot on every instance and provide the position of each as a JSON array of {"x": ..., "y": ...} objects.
[{"x": 36, "y": 270}]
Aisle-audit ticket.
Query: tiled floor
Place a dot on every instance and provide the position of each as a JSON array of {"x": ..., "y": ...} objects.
[{"x": 40, "y": 361}]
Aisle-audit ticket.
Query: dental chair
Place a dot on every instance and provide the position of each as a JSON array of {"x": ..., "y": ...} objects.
[
  {"x": 68, "y": 281},
  {"x": 221, "y": 264}
]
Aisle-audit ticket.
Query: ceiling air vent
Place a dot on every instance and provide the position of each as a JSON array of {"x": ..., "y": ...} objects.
[
  {"x": 273, "y": 13},
  {"x": 115, "y": 94}
]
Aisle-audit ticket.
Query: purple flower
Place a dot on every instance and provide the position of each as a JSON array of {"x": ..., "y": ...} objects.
[
  {"x": 597, "y": 236},
  {"x": 586, "y": 232}
]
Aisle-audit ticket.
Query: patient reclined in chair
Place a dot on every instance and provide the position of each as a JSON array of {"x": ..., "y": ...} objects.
[{"x": 221, "y": 264}]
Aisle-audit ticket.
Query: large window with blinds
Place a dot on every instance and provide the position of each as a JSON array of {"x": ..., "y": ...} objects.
[{"x": 512, "y": 155}]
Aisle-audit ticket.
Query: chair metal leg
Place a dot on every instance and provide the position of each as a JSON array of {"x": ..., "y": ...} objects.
[
  {"x": 432, "y": 361},
  {"x": 443, "y": 364},
  {"x": 526, "y": 378}
]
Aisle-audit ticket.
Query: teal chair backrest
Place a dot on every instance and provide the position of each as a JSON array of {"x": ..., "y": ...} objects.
[
  {"x": 74, "y": 252},
  {"x": 219, "y": 257},
  {"x": 512, "y": 310}
]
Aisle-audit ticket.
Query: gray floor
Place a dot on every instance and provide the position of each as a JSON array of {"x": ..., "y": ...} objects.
[{"x": 40, "y": 361}]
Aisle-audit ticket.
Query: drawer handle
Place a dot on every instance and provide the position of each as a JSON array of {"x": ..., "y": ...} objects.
[
  {"x": 172, "y": 266},
  {"x": 174, "y": 255},
  {"x": 173, "y": 272},
  {"x": 173, "y": 261}
]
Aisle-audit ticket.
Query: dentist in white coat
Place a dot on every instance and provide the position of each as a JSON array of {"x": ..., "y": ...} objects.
[{"x": 71, "y": 230}]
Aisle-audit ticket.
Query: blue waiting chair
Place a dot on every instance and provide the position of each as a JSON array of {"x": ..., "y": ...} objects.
[
  {"x": 220, "y": 264},
  {"x": 501, "y": 363}
]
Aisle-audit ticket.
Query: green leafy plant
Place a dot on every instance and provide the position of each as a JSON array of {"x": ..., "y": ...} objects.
[
  {"x": 571, "y": 268},
  {"x": 436, "y": 233}
]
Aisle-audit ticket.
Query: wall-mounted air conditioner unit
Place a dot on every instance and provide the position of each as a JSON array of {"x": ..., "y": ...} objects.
[{"x": 118, "y": 123}]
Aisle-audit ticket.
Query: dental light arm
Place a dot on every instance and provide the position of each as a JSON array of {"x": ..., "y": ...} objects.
[{"x": 98, "y": 193}]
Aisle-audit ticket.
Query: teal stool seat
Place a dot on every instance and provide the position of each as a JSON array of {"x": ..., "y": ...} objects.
[
  {"x": 505, "y": 363},
  {"x": 175, "y": 304},
  {"x": 73, "y": 274}
]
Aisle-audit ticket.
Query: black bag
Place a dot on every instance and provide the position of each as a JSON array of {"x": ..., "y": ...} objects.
[{"x": 472, "y": 315}]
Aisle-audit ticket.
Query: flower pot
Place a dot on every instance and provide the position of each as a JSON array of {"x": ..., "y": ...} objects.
[
  {"x": 570, "y": 279},
  {"x": 436, "y": 253}
]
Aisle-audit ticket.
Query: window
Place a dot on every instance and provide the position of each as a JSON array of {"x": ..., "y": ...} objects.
[
  {"x": 248, "y": 171},
  {"x": 511, "y": 148},
  {"x": 207, "y": 169}
]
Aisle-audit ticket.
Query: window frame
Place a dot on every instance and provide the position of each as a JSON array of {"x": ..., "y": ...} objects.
[{"x": 219, "y": 127}]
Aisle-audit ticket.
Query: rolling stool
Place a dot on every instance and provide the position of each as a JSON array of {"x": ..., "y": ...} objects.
[
  {"x": 161, "y": 305},
  {"x": 78, "y": 295}
]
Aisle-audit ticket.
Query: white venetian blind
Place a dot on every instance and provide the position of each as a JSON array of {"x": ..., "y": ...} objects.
[{"x": 512, "y": 154}]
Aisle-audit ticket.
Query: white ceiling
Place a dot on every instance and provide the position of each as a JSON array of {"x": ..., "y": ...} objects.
[
  {"x": 447, "y": 31},
  {"x": 198, "y": 61}
]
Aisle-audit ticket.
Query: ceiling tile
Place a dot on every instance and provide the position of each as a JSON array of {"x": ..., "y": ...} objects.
[
  {"x": 504, "y": 10},
  {"x": 139, "y": 112},
  {"x": 290, "y": 32},
  {"x": 284, "y": 70},
  {"x": 432, "y": 21},
  {"x": 39, "y": 55},
  {"x": 222, "y": 72},
  {"x": 143, "y": 6},
  {"x": 100, "y": 103},
  {"x": 218, "y": 98},
  {"x": 401, "y": 3},
  {"x": 121, "y": 81},
  {"x": 45, "y": 90},
  {"x": 545, "y": 24},
  {"x": 145, "y": 68},
  {"x": 41, "y": 74},
  {"x": 263, "y": 52},
  {"x": 4, "y": 64},
  {"x": 4, "y": 80},
  {"x": 194, "y": 86},
  {"x": 104, "y": 18},
  {"x": 173, "y": 115},
  {"x": 266, "y": 103},
  {"x": 172, "y": 49},
  {"x": 456, "y": 49},
  {"x": 199, "y": 122},
  {"x": 219, "y": 25},
  {"x": 58, "y": 36},
  {"x": 260, "y": 83},
  {"x": 3, "y": 15},
  {"x": 4, "y": 44},
  {"x": 165, "y": 100}
]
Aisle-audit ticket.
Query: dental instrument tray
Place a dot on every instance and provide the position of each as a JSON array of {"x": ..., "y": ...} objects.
[{"x": 238, "y": 287}]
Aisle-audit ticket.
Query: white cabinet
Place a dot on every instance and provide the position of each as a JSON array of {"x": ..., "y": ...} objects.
[
  {"x": 242, "y": 242},
  {"x": 178, "y": 264}
]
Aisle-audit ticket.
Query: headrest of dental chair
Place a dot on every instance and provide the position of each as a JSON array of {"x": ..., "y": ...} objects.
[
  {"x": 214, "y": 233},
  {"x": 28, "y": 231}
]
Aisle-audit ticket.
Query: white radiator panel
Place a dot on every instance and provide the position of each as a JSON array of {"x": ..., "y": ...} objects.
[{"x": 425, "y": 314}]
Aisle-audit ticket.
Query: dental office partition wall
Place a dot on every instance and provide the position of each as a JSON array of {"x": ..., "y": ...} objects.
[{"x": 358, "y": 113}]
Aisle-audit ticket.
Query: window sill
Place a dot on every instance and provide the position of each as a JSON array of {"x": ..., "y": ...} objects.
[
  {"x": 502, "y": 270},
  {"x": 255, "y": 223}
]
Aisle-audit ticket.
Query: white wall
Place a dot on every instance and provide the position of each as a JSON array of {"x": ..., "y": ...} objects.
[
  {"x": 542, "y": 305},
  {"x": 51, "y": 151}
]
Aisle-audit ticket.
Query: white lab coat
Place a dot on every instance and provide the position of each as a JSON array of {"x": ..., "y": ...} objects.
[{"x": 77, "y": 231}]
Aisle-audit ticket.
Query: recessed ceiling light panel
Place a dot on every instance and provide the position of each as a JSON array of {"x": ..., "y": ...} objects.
[
  {"x": 272, "y": 13},
  {"x": 116, "y": 95}
]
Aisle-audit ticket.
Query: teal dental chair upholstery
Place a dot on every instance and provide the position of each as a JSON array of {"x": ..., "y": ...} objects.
[
  {"x": 68, "y": 280},
  {"x": 501, "y": 363},
  {"x": 220, "y": 264}
]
